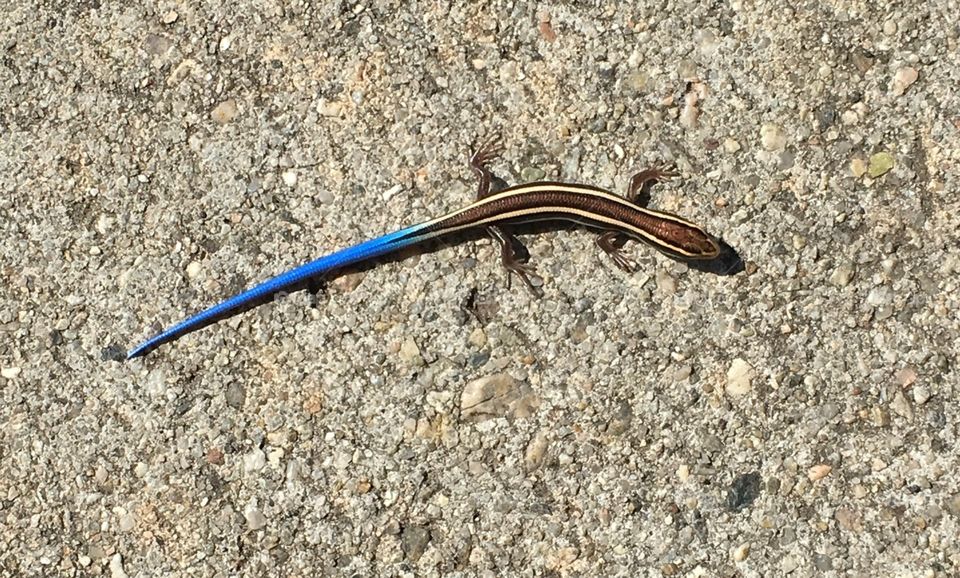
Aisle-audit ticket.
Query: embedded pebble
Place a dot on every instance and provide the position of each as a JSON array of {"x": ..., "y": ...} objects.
[
  {"x": 477, "y": 338},
  {"x": 772, "y": 137},
  {"x": 741, "y": 552},
  {"x": 536, "y": 451},
  {"x": 739, "y": 378},
  {"x": 116, "y": 567},
  {"x": 952, "y": 505},
  {"x": 903, "y": 79},
  {"x": 410, "y": 352},
  {"x": 822, "y": 562},
  {"x": 254, "y": 461},
  {"x": 858, "y": 167},
  {"x": 788, "y": 564},
  {"x": 863, "y": 60},
  {"x": 665, "y": 282},
  {"x": 879, "y": 296},
  {"x": 224, "y": 112},
  {"x": 906, "y": 376},
  {"x": 842, "y": 275},
  {"x": 880, "y": 164},
  {"x": 901, "y": 406},
  {"x": 194, "y": 269},
  {"x": 255, "y": 518},
  {"x": 126, "y": 522},
  {"x": 497, "y": 396},
  {"x": 414, "y": 541},
  {"x": 819, "y": 472},
  {"x": 530, "y": 174},
  {"x": 690, "y": 113},
  {"x": 683, "y": 372},
  {"x": 848, "y": 519},
  {"x": 235, "y": 395},
  {"x": 731, "y": 145}
]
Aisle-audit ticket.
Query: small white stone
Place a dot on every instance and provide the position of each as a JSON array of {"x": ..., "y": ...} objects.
[
  {"x": 690, "y": 113},
  {"x": 224, "y": 112},
  {"x": 665, "y": 283},
  {"x": 739, "y": 377},
  {"x": 903, "y": 79},
  {"x": 410, "y": 352},
  {"x": 879, "y": 296},
  {"x": 389, "y": 193},
  {"x": 10, "y": 372},
  {"x": 788, "y": 564},
  {"x": 535, "y": 452},
  {"x": 772, "y": 137},
  {"x": 255, "y": 518},
  {"x": 254, "y": 461},
  {"x": 842, "y": 275},
  {"x": 741, "y": 552},
  {"x": 730, "y": 145},
  {"x": 901, "y": 406},
  {"x": 849, "y": 117},
  {"x": 193, "y": 269},
  {"x": 116, "y": 567},
  {"x": 858, "y": 167},
  {"x": 126, "y": 522},
  {"x": 170, "y": 17},
  {"x": 477, "y": 338},
  {"x": 276, "y": 456},
  {"x": 921, "y": 394},
  {"x": 104, "y": 223},
  {"x": 329, "y": 108},
  {"x": 289, "y": 178}
]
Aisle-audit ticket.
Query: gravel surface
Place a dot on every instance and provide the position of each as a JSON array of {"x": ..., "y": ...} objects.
[{"x": 421, "y": 418}]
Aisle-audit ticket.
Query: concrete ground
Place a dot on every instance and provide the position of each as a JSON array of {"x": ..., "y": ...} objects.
[{"x": 421, "y": 418}]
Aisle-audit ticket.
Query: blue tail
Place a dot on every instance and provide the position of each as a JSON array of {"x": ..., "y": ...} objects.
[{"x": 343, "y": 258}]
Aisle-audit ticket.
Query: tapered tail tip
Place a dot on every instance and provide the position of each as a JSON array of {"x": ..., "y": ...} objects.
[{"x": 141, "y": 350}]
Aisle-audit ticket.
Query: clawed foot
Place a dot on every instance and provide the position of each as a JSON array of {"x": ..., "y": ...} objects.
[
  {"x": 612, "y": 242},
  {"x": 623, "y": 262},
  {"x": 514, "y": 256},
  {"x": 524, "y": 271},
  {"x": 486, "y": 152},
  {"x": 640, "y": 184}
]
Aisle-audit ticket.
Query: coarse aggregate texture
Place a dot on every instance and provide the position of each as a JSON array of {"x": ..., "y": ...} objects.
[{"x": 420, "y": 418}]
